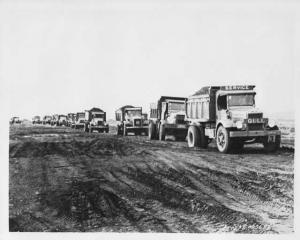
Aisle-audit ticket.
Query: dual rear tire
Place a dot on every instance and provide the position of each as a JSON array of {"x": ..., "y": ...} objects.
[{"x": 196, "y": 137}]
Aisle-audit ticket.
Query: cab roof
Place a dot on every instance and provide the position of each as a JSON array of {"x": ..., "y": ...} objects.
[{"x": 232, "y": 88}]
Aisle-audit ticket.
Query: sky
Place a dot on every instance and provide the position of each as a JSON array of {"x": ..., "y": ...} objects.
[{"x": 69, "y": 56}]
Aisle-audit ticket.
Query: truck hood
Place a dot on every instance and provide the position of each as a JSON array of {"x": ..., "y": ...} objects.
[{"x": 239, "y": 113}]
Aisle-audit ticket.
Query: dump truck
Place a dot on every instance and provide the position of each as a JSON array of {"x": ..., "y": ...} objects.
[
  {"x": 62, "y": 120},
  {"x": 36, "y": 120},
  {"x": 54, "y": 120},
  {"x": 130, "y": 120},
  {"x": 167, "y": 117},
  {"x": 95, "y": 120},
  {"x": 47, "y": 120},
  {"x": 228, "y": 114},
  {"x": 14, "y": 120},
  {"x": 79, "y": 120},
  {"x": 70, "y": 119}
]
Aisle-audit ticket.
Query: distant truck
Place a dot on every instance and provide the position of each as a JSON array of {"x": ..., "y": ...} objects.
[
  {"x": 47, "y": 120},
  {"x": 228, "y": 115},
  {"x": 95, "y": 120},
  {"x": 15, "y": 120},
  {"x": 167, "y": 116},
  {"x": 62, "y": 120},
  {"x": 54, "y": 120},
  {"x": 36, "y": 120},
  {"x": 70, "y": 119},
  {"x": 130, "y": 119},
  {"x": 79, "y": 120}
]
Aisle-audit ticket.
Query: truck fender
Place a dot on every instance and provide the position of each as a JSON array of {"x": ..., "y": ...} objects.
[
  {"x": 162, "y": 122},
  {"x": 225, "y": 123}
]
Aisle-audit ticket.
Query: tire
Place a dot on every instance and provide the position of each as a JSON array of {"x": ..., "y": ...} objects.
[
  {"x": 272, "y": 146},
  {"x": 85, "y": 128},
  {"x": 203, "y": 138},
  {"x": 162, "y": 132},
  {"x": 125, "y": 133},
  {"x": 119, "y": 132},
  {"x": 223, "y": 140},
  {"x": 152, "y": 131},
  {"x": 193, "y": 137}
]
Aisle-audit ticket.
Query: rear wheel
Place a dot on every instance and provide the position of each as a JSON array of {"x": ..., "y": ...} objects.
[
  {"x": 151, "y": 131},
  {"x": 125, "y": 133},
  {"x": 193, "y": 137},
  {"x": 223, "y": 140},
  {"x": 203, "y": 138},
  {"x": 162, "y": 132}
]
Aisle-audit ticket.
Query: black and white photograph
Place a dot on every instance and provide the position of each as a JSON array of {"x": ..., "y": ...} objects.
[{"x": 149, "y": 117}]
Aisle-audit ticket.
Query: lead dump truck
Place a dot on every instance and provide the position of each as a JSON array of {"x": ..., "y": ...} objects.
[
  {"x": 95, "y": 120},
  {"x": 228, "y": 114},
  {"x": 167, "y": 117},
  {"x": 131, "y": 119}
]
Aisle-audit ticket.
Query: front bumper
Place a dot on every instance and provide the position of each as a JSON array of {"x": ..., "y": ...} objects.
[
  {"x": 99, "y": 127},
  {"x": 260, "y": 133},
  {"x": 176, "y": 126},
  {"x": 136, "y": 127}
]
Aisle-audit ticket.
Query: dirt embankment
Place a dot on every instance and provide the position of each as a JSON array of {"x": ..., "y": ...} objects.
[{"x": 67, "y": 180}]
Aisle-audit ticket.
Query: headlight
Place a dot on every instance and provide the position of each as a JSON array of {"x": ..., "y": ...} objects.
[
  {"x": 271, "y": 123},
  {"x": 239, "y": 124}
]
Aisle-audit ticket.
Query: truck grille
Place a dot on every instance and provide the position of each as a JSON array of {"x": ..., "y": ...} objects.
[
  {"x": 255, "y": 115},
  {"x": 137, "y": 122},
  {"x": 256, "y": 126},
  {"x": 180, "y": 119}
]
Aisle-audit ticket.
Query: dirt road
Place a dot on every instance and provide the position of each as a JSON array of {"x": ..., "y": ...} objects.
[{"x": 67, "y": 180}]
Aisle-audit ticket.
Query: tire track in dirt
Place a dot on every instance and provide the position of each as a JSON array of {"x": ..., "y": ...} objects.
[{"x": 92, "y": 182}]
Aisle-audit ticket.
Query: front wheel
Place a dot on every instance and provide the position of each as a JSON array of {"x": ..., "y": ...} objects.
[
  {"x": 223, "y": 140},
  {"x": 125, "y": 133},
  {"x": 162, "y": 132},
  {"x": 151, "y": 131}
]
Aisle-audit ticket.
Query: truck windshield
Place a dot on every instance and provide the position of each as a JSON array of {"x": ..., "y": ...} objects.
[
  {"x": 241, "y": 100},
  {"x": 98, "y": 115},
  {"x": 176, "y": 107},
  {"x": 134, "y": 113}
]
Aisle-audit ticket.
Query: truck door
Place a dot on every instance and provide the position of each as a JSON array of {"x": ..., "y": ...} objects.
[{"x": 221, "y": 107}]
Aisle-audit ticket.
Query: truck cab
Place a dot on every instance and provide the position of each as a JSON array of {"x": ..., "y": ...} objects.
[
  {"x": 62, "y": 120},
  {"x": 71, "y": 119},
  {"x": 168, "y": 116},
  {"x": 79, "y": 120},
  {"x": 130, "y": 119},
  {"x": 54, "y": 120},
  {"x": 229, "y": 115},
  {"x": 95, "y": 120}
]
